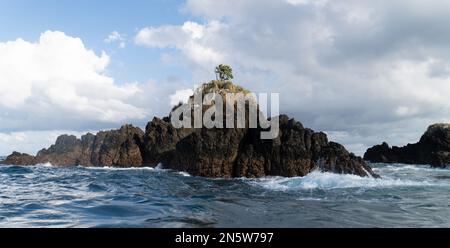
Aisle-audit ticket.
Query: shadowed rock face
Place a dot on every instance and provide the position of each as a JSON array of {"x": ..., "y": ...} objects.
[
  {"x": 433, "y": 149},
  {"x": 228, "y": 152}
]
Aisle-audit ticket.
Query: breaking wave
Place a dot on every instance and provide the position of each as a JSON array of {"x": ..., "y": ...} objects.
[
  {"x": 326, "y": 180},
  {"x": 411, "y": 168}
]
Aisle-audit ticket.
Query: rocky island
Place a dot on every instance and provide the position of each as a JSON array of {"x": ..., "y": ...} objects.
[
  {"x": 432, "y": 149},
  {"x": 216, "y": 152}
]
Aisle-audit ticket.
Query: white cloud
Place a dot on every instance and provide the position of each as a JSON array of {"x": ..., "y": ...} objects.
[
  {"x": 58, "y": 83},
  {"x": 116, "y": 37},
  {"x": 306, "y": 2},
  {"x": 194, "y": 40},
  {"x": 340, "y": 66},
  {"x": 181, "y": 96}
]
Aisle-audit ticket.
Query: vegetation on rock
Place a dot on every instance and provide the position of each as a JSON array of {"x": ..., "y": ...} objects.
[{"x": 224, "y": 72}]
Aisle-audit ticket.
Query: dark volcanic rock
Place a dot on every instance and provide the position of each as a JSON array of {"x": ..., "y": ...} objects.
[
  {"x": 224, "y": 152},
  {"x": 235, "y": 152},
  {"x": 433, "y": 149},
  {"x": 118, "y": 148},
  {"x": 17, "y": 158},
  {"x": 241, "y": 153},
  {"x": 160, "y": 141},
  {"x": 66, "y": 151}
]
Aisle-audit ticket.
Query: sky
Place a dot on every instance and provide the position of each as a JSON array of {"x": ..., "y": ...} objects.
[{"x": 364, "y": 72}]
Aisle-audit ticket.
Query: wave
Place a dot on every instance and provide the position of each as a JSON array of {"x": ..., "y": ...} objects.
[
  {"x": 30, "y": 166},
  {"x": 184, "y": 174},
  {"x": 45, "y": 165},
  {"x": 402, "y": 167},
  {"x": 10, "y": 169},
  {"x": 110, "y": 168},
  {"x": 158, "y": 168},
  {"x": 326, "y": 180},
  {"x": 395, "y": 175}
]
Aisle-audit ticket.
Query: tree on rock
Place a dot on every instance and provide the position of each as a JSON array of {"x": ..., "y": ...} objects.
[{"x": 224, "y": 72}]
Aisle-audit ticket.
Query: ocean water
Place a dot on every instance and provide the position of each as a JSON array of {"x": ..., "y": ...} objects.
[{"x": 47, "y": 196}]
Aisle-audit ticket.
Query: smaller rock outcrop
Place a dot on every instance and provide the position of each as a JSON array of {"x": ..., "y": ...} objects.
[
  {"x": 433, "y": 149},
  {"x": 118, "y": 148},
  {"x": 17, "y": 158}
]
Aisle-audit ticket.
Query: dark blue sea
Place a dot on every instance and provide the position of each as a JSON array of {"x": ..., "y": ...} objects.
[{"x": 48, "y": 196}]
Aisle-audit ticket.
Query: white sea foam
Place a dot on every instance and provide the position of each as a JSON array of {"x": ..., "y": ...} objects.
[
  {"x": 45, "y": 165},
  {"x": 325, "y": 180},
  {"x": 118, "y": 169},
  {"x": 184, "y": 174},
  {"x": 401, "y": 167},
  {"x": 48, "y": 165}
]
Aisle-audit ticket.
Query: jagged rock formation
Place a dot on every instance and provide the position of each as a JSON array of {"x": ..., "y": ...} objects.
[
  {"x": 241, "y": 153},
  {"x": 217, "y": 152},
  {"x": 433, "y": 149},
  {"x": 118, "y": 148}
]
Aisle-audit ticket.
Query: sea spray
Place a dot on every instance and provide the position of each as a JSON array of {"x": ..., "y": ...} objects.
[{"x": 326, "y": 180}]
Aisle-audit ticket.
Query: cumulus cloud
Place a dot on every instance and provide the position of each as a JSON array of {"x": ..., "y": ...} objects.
[
  {"x": 362, "y": 71},
  {"x": 57, "y": 83},
  {"x": 194, "y": 40}
]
